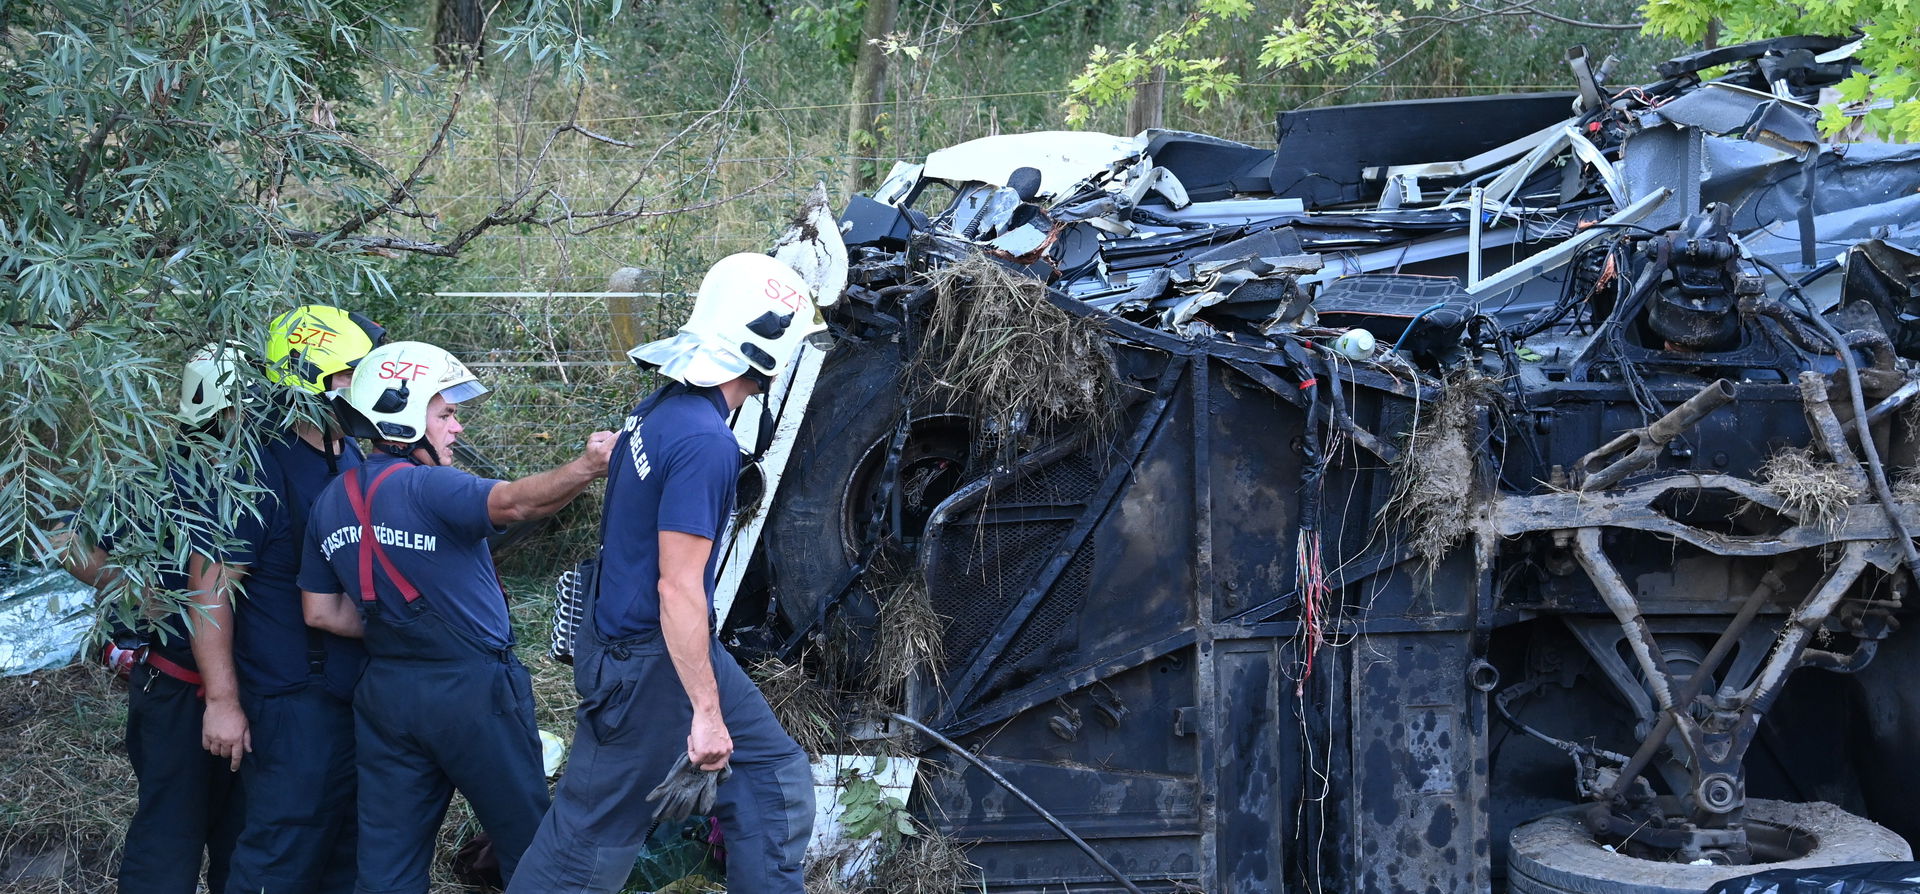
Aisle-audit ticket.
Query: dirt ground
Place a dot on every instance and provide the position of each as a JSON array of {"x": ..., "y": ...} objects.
[{"x": 66, "y": 789}]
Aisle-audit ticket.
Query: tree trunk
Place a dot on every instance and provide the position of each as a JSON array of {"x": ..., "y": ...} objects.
[
  {"x": 1148, "y": 102},
  {"x": 869, "y": 85},
  {"x": 458, "y": 28}
]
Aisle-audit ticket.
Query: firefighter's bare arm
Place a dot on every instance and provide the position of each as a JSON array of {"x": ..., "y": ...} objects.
[
  {"x": 683, "y": 622},
  {"x": 545, "y": 493},
  {"x": 223, "y": 730},
  {"x": 331, "y": 612},
  {"x": 89, "y": 567}
]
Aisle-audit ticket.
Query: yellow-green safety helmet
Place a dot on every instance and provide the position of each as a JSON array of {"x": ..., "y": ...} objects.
[{"x": 309, "y": 343}]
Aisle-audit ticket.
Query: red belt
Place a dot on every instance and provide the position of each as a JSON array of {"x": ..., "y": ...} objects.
[{"x": 160, "y": 663}]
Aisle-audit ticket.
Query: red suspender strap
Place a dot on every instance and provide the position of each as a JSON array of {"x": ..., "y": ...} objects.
[{"x": 362, "y": 504}]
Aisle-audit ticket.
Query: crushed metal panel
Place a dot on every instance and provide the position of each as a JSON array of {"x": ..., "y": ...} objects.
[
  {"x": 1559, "y": 255},
  {"x": 1322, "y": 154},
  {"x": 45, "y": 616},
  {"x": 1062, "y": 157}
]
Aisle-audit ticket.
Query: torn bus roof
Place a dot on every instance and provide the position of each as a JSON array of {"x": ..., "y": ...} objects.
[{"x": 1469, "y": 188}]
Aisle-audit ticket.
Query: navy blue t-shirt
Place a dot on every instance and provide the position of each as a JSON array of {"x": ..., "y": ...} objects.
[
  {"x": 166, "y": 634},
  {"x": 271, "y": 639},
  {"x": 432, "y": 523},
  {"x": 673, "y": 469}
]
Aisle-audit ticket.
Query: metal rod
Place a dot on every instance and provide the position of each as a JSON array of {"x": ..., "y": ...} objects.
[
  {"x": 1476, "y": 203},
  {"x": 1801, "y": 625},
  {"x": 1899, "y": 398},
  {"x": 1826, "y": 427},
  {"x": 1613, "y": 591},
  {"x": 1646, "y": 442},
  {"x": 1770, "y": 584},
  {"x": 1052, "y": 820}
]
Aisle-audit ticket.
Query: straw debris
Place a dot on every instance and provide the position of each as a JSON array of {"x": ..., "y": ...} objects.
[
  {"x": 1906, "y": 487},
  {"x": 1437, "y": 476},
  {"x": 1020, "y": 365},
  {"x": 1809, "y": 488},
  {"x": 927, "y": 862},
  {"x": 909, "y": 640},
  {"x": 804, "y": 708}
]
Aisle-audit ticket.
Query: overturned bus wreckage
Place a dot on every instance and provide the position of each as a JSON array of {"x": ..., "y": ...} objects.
[{"x": 1458, "y": 496}]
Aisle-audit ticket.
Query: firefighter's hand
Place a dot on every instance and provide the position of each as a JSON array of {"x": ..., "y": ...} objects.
[
  {"x": 709, "y": 745},
  {"x": 224, "y": 732},
  {"x": 599, "y": 450}
]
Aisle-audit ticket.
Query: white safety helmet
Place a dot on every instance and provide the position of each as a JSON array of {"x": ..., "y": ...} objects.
[
  {"x": 392, "y": 386},
  {"x": 750, "y": 317},
  {"x": 210, "y": 382}
]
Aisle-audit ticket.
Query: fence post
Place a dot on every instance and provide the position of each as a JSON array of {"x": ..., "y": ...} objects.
[{"x": 623, "y": 310}]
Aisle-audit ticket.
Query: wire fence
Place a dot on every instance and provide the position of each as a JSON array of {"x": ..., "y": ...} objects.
[{"x": 554, "y": 361}]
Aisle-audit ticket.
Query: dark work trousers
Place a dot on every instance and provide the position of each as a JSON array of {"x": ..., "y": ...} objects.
[
  {"x": 633, "y": 722},
  {"x": 437, "y": 711},
  {"x": 300, "y": 829},
  {"x": 190, "y": 803}
]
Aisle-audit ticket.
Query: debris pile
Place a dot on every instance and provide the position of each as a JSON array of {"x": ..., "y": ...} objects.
[
  {"x": 1409, "y": 219},
  {"x": 1653, "y": 349}
]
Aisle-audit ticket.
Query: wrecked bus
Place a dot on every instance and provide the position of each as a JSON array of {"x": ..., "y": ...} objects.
[{"x": 1506, "y": 493}]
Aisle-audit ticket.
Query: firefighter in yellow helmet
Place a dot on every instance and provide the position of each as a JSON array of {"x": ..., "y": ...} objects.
[{"x": 279, "y": 693}]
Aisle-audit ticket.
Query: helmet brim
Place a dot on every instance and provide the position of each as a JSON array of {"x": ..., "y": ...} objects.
[
  {"x": 690, "y": 359},
  {"x": 463, "y": 392}
]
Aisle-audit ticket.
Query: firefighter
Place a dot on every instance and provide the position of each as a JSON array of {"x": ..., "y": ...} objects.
[
  {"x": 189, "y": 801},
  {"x": 655, "y": 682},
  {"x": 279, "y": 692},
  {"x": 397, "y": 552}
]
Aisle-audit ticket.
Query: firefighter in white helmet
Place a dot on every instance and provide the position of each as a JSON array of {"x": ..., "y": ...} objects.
[
  {"x": 397, "y": 552},
  {"x": 657, "y": 685},
  {"x": 189, "y": 807}
]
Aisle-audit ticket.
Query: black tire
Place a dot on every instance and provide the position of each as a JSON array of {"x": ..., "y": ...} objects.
[
  {"x": 1555, "y": 854},
  {"x": 856, "y": 402}
]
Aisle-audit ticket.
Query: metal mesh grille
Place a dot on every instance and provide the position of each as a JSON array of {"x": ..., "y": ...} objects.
[
  {"x": 1071, "y": 480},
  {"x": 977, "y": 585},
  {"x": 986, "y": 566},
  {"x": 1056, "y": 608}
]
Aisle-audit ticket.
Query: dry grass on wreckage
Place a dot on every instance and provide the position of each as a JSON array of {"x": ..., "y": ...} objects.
[
  {"x": 999, "y": 350},
  {"x": 1437, "y": 479},
  {"x": 804, "y": 707},
  {"x": 1810, "y": 488},
  {"x": 910, "y": 638},
  {"x": 926, "y": 862}
]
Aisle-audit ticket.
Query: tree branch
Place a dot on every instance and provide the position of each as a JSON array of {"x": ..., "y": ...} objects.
[
  {"x": 1528, "y": 9},
  {"x": 93, "y": 146},
  {"x": 404, "y": 189}
]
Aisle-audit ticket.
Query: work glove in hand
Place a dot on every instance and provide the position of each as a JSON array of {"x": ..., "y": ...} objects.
[{"x": 687, "y": 790}]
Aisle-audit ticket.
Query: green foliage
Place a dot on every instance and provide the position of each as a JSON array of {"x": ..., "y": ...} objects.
[
  {"x": 1344, "y": 38},
  {"x": 1885, "y": 97},
  {"x": 1330, "y": 37},
  {"x": 831, "y": 24},
  {"x": 1111, "y": 75},
  {"x": 868, "y": 810},
  {"x": 177, "y": 173}
]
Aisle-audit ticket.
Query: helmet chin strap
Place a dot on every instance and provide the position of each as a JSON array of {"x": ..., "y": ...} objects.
[{"x": 405, "y": 451}]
